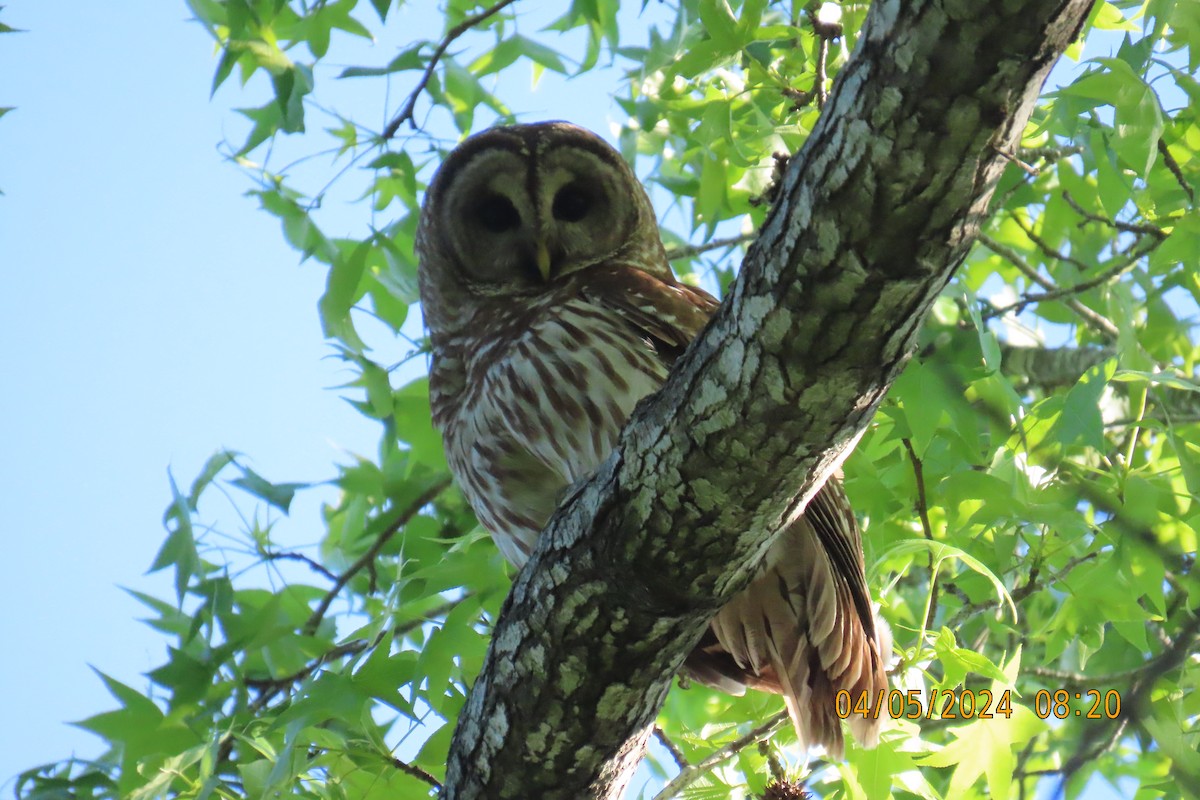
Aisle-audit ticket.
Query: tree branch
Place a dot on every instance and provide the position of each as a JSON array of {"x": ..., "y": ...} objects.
[
  {"x": 872, "y": 217},
  {"x": 1102, "y": 737},
  {"x": 691, "y": 774},
  {"x": 1053, "y": 292},
  {"x": 1050, "y": 368},
  {"x": 416, "y": 772},
  {"x": 1045, "y": 247},
  {"x": 287, "y": 555},
  {"x": 368, "y": 557},
  {"x": 410, "y": 105},
  {"x": 1063, "y": 677},
  {"x": 690, "y": 251},
  {"x": 1173, "y": 167},
  {"x": 672, "y": 748},
  {"x": 923, "y": 513},
  {"x": 1142, "y": 229}
]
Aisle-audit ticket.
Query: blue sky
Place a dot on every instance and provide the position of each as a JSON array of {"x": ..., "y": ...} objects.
[{"x": 150, "y": 315}]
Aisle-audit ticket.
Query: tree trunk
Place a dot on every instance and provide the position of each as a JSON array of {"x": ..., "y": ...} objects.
[{"x": 873, "y": 216}]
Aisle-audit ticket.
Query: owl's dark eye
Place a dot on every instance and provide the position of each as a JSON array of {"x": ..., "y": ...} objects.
[
  {"x": 572, "y": 203},
  {"x": 497, "y": 213}
]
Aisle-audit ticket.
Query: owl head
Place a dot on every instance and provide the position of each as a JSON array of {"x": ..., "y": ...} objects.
[{"x": 515, "y": 210}]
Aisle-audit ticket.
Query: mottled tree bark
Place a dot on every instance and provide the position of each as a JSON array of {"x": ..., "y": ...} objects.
[{"x": 873, "y": 216}]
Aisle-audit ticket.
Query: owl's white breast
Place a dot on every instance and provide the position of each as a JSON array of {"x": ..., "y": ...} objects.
[{"x": 541, "y": 409}]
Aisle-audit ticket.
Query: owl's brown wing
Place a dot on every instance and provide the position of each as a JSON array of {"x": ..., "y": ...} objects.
[{"x": 668, "y": 314}]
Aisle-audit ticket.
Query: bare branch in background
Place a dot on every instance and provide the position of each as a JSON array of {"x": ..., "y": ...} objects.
[
  {"x": 1173, "y": 166},
  {"x": 407, "y": 110},
  {"x": 672, "y": 748},
  {"x": 278, "y": 555},
  {"x": 691, "y": 774},
  {"x": 691, "y": 251},
  {"x": 923, "y": 512},
  {"x": 368, "y": 558},
  {"x": 1143, "y": 228},
  {"x": 1098, "y": 322}
]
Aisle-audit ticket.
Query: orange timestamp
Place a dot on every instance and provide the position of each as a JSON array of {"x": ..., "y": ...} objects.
[
  {"x": 1103, "y": 705},
  {"x": 912, "y": 704},
  {"x": 981, "y": 704}
]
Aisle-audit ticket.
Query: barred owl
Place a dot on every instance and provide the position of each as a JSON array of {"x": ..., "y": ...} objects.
[{"x": 552, "y": 311}]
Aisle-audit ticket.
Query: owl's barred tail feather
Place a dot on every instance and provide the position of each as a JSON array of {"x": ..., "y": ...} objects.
[{"x": 803, "y": 629}]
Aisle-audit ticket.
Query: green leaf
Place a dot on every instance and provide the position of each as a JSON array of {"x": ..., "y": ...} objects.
[
  {"x": 224, "y": 69},
  {"x": 180, "y": 547},
  {"x": 299, "y": 228},
  {"x": 264, "y": 54},
  {"x": 720, "y": 24},
  {"x": 216, "y": 462},
  {"x": 381, "y": 8},
  {"x": 139, "y": 727},
  {"x": 942, "y": 552},
  {"x": 541, "y": 54},
  {"x": 277, "y": 494},
  {"x": 343, "y": 288},
  {"x": 1156, "y": 378},
  {"x": 1080, "y": 419},
  {"x": 291, "y": 86},
  {"x": 267, "y": 120},
  {"x": 986, "y": 747},
  {"x": 409, "y": 59},
  {"x": 1138, "y": 122},
  {"x": 958, "y": 661},
  {"x": 415, "y": 423},
  {"x": 713, "y": 183},
  {"x": 1108, "y": 17},
  {"x": 384, "y": 674},
  {"x": 988, "y": 343}
]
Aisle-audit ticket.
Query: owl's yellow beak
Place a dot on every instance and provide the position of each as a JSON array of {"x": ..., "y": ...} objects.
[{"x": 543, "y": 260}]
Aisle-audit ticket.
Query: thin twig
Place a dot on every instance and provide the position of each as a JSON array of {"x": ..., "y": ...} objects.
[
  {"x": 688, "y": 776},
  {"x": 369, "y": 557},
  {"x": 1112, "y": 273},
  {"x": 1173, "y": 167},
  {"x": 1073, "y": 679},
  {"x": 691, "y": 251},
  {"x": 315, "y": 566},
  {"x": 1031, "y": 585},
  {"x": 1054, "y": 253},
  {"x": 819, "y": 84},
  {"x": 672, "y": 748},
  {"x": 271, "y": 687},
  {"x": 1102, "y": 324},
  {"x": 1144, "y": 229},
  {"x": 416, "y": 772},
  {"x": 410, "y": 105},
  {"x": 1127, "y": 263},
  {"x": 1133, "y": 702},
  {"x": 923, "y": 512},
  {"x": 826, "y": 32},
  {"x": 1049, "y": 154},
  {"x": 1029, "y": 169}
]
